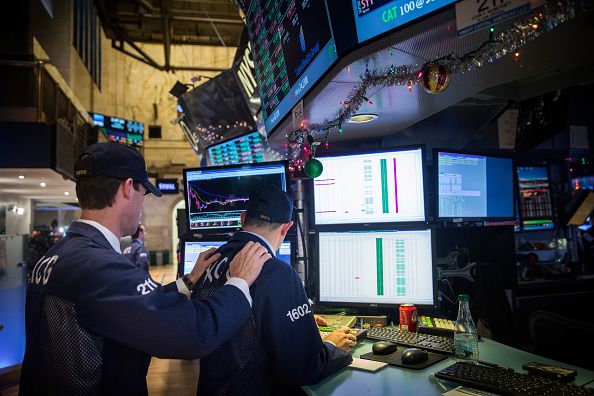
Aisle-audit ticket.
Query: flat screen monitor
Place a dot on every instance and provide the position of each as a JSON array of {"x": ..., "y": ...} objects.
[
  {"x": 536, "y": 205},
  {"x": 381, "y": 187},
  {"x": 293, "y": 47},
  {"x": 374, "y": 17},
  {"x": 216, "y": 196},
  {"x": 376, "y": 267},
  {"x": 192, "y": 249},
  {"x": 244, "y": 149},
  {"x": 474, "y": 187}
]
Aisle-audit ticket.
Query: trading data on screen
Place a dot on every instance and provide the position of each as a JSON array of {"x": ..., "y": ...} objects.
[
  {"x": 370, "y": 188},
  {"x": 475, "y": 186},
  {"x": 376, "y": 267}
]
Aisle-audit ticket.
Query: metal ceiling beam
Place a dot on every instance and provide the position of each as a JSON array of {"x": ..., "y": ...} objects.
[
  {"x": 166, "y": 32},
  {"x": 186, "y": 18}
]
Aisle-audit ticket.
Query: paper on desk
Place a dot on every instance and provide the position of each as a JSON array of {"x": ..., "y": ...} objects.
[
  {"x": 464, "y": 391},
  {"x": 367, "y": 365}
]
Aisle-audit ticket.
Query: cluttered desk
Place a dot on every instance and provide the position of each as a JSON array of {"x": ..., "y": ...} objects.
[{"x": 390, "y": 379}]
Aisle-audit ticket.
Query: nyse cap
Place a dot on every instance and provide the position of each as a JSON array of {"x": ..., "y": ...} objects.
[
  {"x": 270, "y": 204},
  {"x": 114, "y": 160}
]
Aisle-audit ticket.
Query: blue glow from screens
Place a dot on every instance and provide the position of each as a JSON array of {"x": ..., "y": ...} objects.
[
  {"x": 180, "y": 109},
  {"x": 193, "y": 248},
  {"x": 376, "y": 267},
  {"x": 379, "y": 187},
  {"x": 474, "y": 186},
  {"x": 374, "y": 17},
  {"x": 215, "y": 197}
]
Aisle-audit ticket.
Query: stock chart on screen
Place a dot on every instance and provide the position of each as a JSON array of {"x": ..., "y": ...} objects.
[{"x": 216, "y": 197}]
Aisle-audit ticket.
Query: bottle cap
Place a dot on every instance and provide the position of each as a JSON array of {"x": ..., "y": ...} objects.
[{"x": 463, "y": 297}]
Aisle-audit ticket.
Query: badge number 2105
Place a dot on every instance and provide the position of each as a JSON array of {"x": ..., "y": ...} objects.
[{"x": 299, "y": 312}]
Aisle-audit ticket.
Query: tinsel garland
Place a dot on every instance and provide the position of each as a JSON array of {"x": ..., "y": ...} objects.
[{"x": 524, "y": 30}]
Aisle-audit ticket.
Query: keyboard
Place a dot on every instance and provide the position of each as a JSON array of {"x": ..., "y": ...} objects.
[
  {"x": 422, "y": 341},
  {"x": 506, "y": 382}
]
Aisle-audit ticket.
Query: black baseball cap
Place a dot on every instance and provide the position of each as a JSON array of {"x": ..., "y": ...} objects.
[
  {"x": 270, "y": 204},
  {"x": 114, "y": 160}
]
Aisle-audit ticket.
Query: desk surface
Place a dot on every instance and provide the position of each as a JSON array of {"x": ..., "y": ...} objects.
[{"x": 391, "y": 380}]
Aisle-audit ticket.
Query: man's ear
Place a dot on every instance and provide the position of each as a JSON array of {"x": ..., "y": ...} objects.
[
  {"x": 242, "y": 218},
  {"x": 285, "y": 228},
  {"x": 127, "y": 187}
]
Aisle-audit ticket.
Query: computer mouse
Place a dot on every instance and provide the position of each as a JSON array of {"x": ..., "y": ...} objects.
[
  {"x": 383, "y": 348},
  {"x": 413, "y": 356}
]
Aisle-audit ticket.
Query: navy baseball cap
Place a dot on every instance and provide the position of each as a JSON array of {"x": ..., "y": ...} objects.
[
  {"x": 270, "y": 204},
  {"x": 114, "y": 160}
]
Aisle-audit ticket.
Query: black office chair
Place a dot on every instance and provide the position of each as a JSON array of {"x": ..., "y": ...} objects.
[{"x": 562, "y": 338}]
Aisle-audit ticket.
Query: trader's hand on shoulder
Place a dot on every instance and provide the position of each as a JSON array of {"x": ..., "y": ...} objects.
[
  {"x": 342, "y": 339},
  {"x": 205, "y": 259},
  {"x": 248, "y": 263}
]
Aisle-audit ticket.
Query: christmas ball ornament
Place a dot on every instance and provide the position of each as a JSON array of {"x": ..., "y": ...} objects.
[
  {"x": 313, "y": 168},
  {"x": 435, "y": 78}
]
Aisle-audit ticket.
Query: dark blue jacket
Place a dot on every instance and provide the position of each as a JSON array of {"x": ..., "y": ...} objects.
[
  {"x": 93, "y": 319},
  {"x": 138, "y": 254},
  {"x": 280, "y": 347}
]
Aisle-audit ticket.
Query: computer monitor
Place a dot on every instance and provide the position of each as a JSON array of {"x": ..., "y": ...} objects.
[
  {"x": 536, "y": 205},
  {"x": 191, "y": 249},
  {"x": 238, "y": 150},
  {"x": 474, "y": 187},
  {"x": 586, "y": 182},
  {"x": 373, "y": 268},
  {"x": 379, "y": 187},
  {"x": 216, "y": 196}
]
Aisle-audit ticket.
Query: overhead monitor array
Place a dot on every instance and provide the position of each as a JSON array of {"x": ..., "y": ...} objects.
[{"x": 293, "y": 47}]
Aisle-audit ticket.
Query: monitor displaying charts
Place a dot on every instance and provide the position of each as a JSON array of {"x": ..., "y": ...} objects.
[
  {"x": 216, "y": 196},
  {"x": 381, "y": 187}
]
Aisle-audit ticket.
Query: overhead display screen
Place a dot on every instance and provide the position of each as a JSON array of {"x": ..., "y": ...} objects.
[
  {"x": 241, "y": 150},
  {"x": 120, "y": 130},
  {"x": 374, "y": 17},
  {"x": 293, "y": 46}
]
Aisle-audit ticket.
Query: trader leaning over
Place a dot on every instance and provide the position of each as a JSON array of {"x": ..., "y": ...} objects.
[{"x": 86, "y": 302}]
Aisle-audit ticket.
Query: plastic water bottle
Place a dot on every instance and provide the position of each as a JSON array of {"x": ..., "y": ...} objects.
[{"x": 465, "y": 336}]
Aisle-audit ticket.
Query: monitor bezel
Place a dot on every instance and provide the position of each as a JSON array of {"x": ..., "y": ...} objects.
[
  {"x": 373, "y": 225},
  {"x": 227, "y": 140},
  {"x": 520, "y": 212},
  {"x": 316, "y": 270},
  {"x": 225, "y": 230},
  {"x": 459, "y": 219}
]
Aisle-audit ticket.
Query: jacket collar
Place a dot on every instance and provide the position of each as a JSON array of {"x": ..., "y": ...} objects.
[
  {"x": 243, "y": 236},
  {"x": 90, "y": 232}
]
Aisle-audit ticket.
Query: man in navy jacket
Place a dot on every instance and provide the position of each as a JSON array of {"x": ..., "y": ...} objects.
[
  {"x": 137, "y": 252},
  {"x": 280, "y": 348},
  {"x": 93, "y": 318}
]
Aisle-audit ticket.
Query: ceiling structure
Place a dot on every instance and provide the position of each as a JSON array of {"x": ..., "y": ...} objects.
[
  {"x": 169, "y": 22},
  {"x": 30, "y": 186}
]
